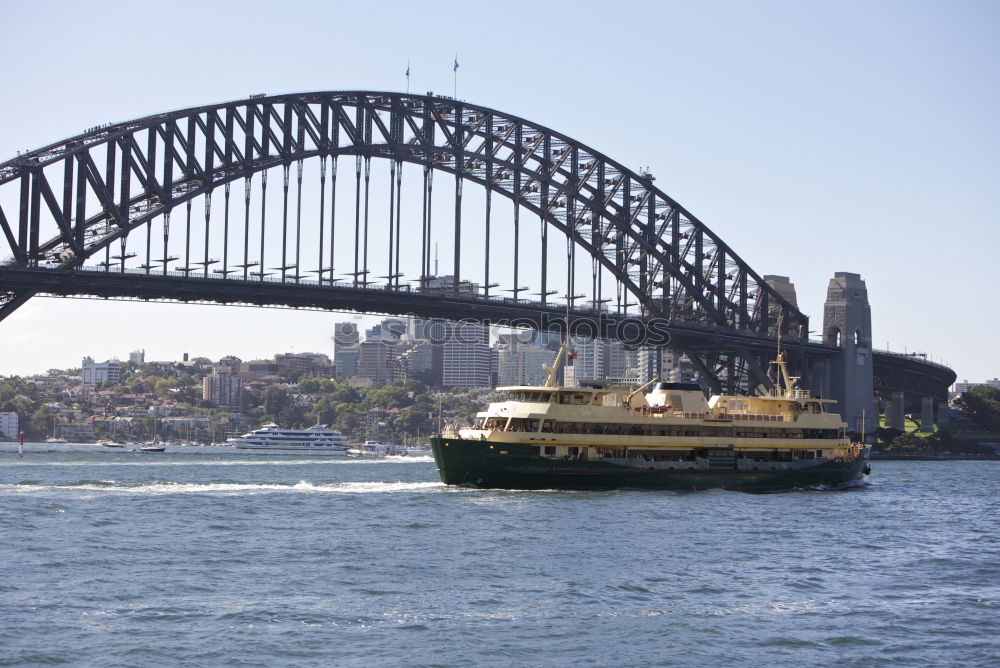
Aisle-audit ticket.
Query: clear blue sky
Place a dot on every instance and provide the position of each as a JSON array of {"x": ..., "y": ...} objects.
[{"x": 813, "y": 137}]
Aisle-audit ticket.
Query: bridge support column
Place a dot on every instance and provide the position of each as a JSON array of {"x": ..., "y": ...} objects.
[
  {"x": 927, "y": 414},
  {"x": 847, "y": 324},
  {"x": 943, "y": 414},
  {"x": 894, "y": 412}
]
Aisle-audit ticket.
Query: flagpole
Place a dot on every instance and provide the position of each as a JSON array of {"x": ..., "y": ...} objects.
[
  {"x": 407, "y": 76},
  {"x": 455, "y": 70}
]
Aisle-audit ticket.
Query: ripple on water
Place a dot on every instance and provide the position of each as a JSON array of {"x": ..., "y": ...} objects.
[{"x": 212, "y": 563}]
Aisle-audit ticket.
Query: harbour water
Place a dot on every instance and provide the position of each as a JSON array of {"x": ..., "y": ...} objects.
[{"x": 212, "y": 557}]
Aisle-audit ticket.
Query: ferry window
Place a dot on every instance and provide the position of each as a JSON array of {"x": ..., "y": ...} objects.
[{"x": 550, "y": 449}]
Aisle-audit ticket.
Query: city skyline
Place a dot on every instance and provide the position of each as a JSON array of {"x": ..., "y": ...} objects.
[{"x": 872, "y": 152}]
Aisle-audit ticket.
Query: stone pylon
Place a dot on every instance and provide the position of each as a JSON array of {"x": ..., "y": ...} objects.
[{"x": 847, "y": 324}]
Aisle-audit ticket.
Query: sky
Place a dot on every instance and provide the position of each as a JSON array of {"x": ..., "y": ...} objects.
[{"x": 812, "y": 137}]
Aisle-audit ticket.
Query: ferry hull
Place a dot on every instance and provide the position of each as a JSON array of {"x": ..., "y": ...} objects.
[{"x": 490, "y": 464}]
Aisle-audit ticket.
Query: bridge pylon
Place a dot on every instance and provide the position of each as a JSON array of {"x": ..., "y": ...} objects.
[{"x": 849, "y": 376}]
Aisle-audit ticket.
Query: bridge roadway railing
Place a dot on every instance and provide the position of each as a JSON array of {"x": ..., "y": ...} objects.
[
  {"x": 894, "y": 371},
  {"x": 310, "y": 293}
]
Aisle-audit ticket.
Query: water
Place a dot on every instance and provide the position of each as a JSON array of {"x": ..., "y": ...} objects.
[{"x": 210, "y": 557}]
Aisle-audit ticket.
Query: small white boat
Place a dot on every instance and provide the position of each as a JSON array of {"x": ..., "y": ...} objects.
[
  {"x": 377, "y": 449},
  {"x": 53, "y": 439},
  {"x": 152, "y": 447}
]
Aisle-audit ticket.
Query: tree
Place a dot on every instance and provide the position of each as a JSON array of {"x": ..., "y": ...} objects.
[
  {"x": 275, "y": 400},
  {"x": 981, "y": 404},
  {"x": 40, "y": 425}
]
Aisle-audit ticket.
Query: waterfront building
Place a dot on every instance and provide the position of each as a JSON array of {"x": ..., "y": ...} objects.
[
  {"x": 9, "y": 425},
  {"x": 101, "y": 372},
  {"x": 77, "y": 432}
]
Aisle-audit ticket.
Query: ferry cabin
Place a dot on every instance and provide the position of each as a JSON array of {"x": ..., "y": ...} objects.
[{"x": 674, "y": 422}]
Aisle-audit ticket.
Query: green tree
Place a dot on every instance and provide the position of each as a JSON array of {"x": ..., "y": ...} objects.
[
  {"x": 981, "y": 404},
  {"x": 274, "y": 400},
  {"x": 41, "y": 423}
]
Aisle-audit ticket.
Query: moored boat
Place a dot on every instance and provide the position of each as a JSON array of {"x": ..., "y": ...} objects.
[{"x": 670, "y": 438}]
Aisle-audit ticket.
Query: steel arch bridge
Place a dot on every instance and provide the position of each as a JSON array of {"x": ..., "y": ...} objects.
[{"x": 132, "y": 210}]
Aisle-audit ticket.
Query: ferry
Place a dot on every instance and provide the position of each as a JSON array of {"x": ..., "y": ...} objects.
[
  {"x": 670, "y": 437},
  {"x": 272, "y": 438}
]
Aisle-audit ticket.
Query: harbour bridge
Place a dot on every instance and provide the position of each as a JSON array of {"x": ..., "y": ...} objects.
[{"x": 538, "y": 229}]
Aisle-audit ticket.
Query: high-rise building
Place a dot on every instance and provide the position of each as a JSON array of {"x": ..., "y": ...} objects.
[
  {"x": 589, "y": 363},
  {"x": 623, "y": 362},
  {"x": 390, "y": 329},
  {"x": 346, "y": 349},
  {"x": 466, "y": 358},
  {"x": 222, "y": 390},
  {"x": 101, "y": 372},
  {"x": 137, "y": 356},
  {"x": 521, "y": 361},
  {"x": 346, "y": 361},
  {"x": 418, "y": 359},
  {"x": 377, "y": 360}
]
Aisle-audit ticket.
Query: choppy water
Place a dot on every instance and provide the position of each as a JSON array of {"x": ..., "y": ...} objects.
[{"x": 209, "y": 557}]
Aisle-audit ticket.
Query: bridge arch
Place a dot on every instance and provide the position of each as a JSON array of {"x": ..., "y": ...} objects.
[{"x": 670, "y": 263}]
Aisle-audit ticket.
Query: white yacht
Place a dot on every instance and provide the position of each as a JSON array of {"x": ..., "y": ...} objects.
[
  {"x": 272, "y": 438},
  {"x": 377, "y": 449}
]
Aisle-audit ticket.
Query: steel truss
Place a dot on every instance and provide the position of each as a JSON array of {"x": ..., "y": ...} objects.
[{"x": 77, "y": 201}]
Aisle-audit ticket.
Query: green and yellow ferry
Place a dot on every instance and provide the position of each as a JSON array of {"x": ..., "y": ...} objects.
[{"x": 669, "y": 438}]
